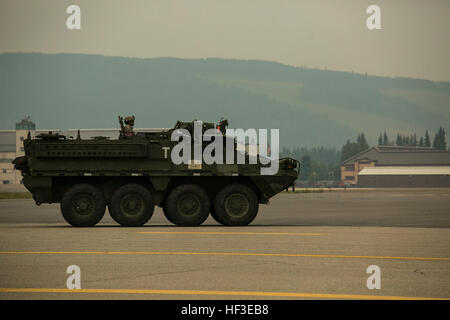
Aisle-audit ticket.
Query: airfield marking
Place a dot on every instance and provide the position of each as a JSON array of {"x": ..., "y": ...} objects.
[
  {"x": 232, "y": 233},
  {"x": 221, "y": 293},
  {"x": 226, "y": 254}
]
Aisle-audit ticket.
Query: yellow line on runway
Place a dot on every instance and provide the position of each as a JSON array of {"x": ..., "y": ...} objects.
[
  {"x": 233, "y": 233},
  {"x": 225, "y": 254},
  {"x": 220, "y": 293}
]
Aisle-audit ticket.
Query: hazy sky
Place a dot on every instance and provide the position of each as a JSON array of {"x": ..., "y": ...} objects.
[{"x": 328, "y": 34}]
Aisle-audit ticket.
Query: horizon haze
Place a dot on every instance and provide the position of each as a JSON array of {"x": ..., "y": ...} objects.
[{"x": 323, "y": 34}]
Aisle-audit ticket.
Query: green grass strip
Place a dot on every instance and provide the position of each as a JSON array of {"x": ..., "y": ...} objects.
[{"x": 15, "y": 195}]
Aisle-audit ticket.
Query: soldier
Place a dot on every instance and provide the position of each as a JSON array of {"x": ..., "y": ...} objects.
[{"x": 129, "y": 123}]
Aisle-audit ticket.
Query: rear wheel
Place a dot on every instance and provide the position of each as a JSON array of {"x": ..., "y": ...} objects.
[
  {"x": 235, "y": 205},
  {"x": 187, "y": 205},
  {"x": 168, "y": 217},
  {"x": 131, "y": 205},
  {"x": 83, "y": 205},
  {"x": 215, "y": 216}
]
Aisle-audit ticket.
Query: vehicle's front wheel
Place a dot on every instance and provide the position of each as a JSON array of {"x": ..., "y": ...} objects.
[
  {"x": 83, "y": 205},
  {"x": 187, "y": 205},
  {"x": 131, "y": 205},
  {"x": 235, "y": 205}
]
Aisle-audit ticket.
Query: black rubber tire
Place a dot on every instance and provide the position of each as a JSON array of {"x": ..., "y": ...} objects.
[
  {"x": 165, "y": 214},
  {"x": 71, "y": 212},
  {"x": 137, "y": 219},
  {"x": 215, "y": 216},
  {"x": 174, "y": 215},
  {"x": 225, "y": 217}
]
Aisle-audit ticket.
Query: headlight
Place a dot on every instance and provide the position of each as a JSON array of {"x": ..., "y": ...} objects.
[{"x": 289, "y": 163}]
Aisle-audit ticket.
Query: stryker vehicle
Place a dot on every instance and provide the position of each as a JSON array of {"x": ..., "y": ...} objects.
[{"x": 132, "y": 174}]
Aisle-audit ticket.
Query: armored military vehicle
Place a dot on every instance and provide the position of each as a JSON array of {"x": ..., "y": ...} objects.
[{"x": 132, "y": 174}]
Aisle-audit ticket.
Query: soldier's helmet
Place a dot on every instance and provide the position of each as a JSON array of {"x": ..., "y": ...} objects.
[{"x": 129, "y": 119}]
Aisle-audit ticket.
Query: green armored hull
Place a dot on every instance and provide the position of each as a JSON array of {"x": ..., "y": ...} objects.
[{"x": 133, "y": 174}]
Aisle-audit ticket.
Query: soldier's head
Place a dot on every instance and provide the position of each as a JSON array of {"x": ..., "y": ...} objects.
[{"x": 129, "y": 120}]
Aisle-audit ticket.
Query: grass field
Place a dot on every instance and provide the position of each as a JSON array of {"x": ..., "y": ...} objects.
[
  {"x": 15, "y": 195},
  {"x": 313, "y": 190}
]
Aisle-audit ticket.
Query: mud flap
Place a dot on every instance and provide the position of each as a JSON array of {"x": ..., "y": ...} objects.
[
  {"x": 160, "y": 183},
  {"x": 40, "y": 188}
]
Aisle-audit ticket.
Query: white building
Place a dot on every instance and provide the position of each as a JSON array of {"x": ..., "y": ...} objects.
[{"x": 7, "y": 154}]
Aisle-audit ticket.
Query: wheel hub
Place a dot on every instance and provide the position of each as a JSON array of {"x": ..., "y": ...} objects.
[
  {"x": 83, "y": 204},
  {"x": 236, "y": 205},
  {"x": 132, "y": 204},
  {"x": 188, "y": 204}
]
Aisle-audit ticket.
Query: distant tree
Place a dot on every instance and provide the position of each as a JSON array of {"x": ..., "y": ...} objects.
[
  {"x": 406, "y": 141},
  {"x": 435, "y": 141},
  {"x": 439, "y": 142},
  {"x": 285, "y": 152},
  {"x": 427, "y": 142},
  {"x": 385, "y": 139},
  {"x": 349, "y": 149},
  {"x": 399, "y": 140},
  {"x": 306, "y": 167},
  {"x": 421, "y": 142},
  {"x": 380, "y": 140},
  {"x": 324, "y": 161},
  {"x": 443, "y": 141},
  {"x": 352, "y": 148},
  {"x": 414, "y": 140},
  {"x": 361, "y": 140}
]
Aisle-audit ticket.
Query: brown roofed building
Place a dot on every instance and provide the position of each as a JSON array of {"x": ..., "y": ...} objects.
[{"x": 399, "y": 157}]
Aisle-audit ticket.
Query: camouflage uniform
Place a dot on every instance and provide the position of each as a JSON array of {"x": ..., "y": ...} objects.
[{"x": 129, "y": 121}]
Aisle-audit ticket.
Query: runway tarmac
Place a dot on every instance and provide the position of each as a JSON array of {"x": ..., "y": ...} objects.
[{"x": 301, "y": 246}]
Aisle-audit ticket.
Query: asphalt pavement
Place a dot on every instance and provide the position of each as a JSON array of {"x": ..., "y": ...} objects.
[{"x": 301, "y": 246}]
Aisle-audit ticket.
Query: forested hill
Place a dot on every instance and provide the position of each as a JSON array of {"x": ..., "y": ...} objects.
[{"x": 310, "y": 107}]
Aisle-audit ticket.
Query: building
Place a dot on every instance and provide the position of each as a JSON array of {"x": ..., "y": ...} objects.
[
  {"x": 7, "y": 154},
  {"x": 11, "y": 144},
  {"x": 363, "y": 169},
  {"x": 400, "y": 176}
]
